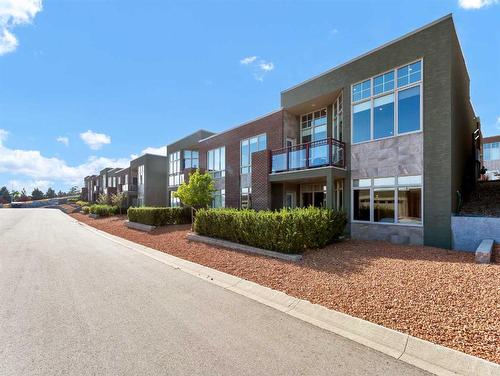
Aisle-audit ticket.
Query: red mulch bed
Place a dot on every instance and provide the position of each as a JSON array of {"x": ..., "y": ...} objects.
[{"x": 435, "y": 294}]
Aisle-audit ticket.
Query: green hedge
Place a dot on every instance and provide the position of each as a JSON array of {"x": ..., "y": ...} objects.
[
  {"x": 286, "y": 231},
  {"x": 86, "y": 209},
  {"x": 82, "y": 203},
  {"x": 160, "y": 216},
  {"x": 103, "y": 210}
]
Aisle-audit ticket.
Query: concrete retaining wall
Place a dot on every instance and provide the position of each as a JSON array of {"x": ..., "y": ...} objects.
[{"x": 468, "y": 232}]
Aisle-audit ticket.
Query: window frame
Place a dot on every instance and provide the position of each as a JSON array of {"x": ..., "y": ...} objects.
[
  {"x": 313, "y": 127},
  {"x": 394, "y": 187},
  {"x": 395, "y": 91},
  {"x": 217, "y": 172}
]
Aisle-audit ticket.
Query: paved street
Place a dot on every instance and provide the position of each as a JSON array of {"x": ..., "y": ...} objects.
[{"x": 75, "y": 303}]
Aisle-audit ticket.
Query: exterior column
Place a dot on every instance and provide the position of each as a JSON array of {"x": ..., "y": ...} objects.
[{"x": 329, "y": 190}]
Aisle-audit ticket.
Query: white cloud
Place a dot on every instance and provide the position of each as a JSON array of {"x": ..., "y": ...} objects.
[
  {"x": 3, "y": 135},
  {"x": 162, "y": 150},
  {"x": 35, "y": 166},
  {"x": 95, "y": 140},
  {"x": 248, "y": 60},
  {"x": 476, "y": 4},
  {"x": 259, "y": 66},
  {"x": 63, "y": 140},
  {"x": 13, "y": 13},
  {"x": 29, "y": 185},
  {"x": 267, "y": 67}
]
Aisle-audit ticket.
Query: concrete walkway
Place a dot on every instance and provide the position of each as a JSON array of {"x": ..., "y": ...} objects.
[{"x": 73, "y": 302}]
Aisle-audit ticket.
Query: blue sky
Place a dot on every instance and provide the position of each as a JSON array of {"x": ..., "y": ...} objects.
[{"x": 85, "y": 84}]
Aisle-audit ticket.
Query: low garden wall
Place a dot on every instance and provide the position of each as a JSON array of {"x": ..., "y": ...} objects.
[{"x": 468, "y": 232}]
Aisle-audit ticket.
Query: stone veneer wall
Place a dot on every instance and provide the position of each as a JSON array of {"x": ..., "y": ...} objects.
[{"x": 401, "y": 155}]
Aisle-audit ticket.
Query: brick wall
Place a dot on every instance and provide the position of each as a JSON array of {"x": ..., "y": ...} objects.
[
  {"x": 271, "y": 124},
  {"x": 261, "y": 187}
]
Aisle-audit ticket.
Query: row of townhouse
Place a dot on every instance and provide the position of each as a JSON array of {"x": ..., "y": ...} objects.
[{"x": 390, "y": 137}]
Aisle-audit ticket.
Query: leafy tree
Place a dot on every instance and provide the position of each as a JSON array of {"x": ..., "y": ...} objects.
[
  {"x": 74, "y": 191},
  {"x": 15, "y": 195},
  {"x": 23, "y": 196},
  {"x": 103, "y": 199},
  {"x": 36, "y": 194},
  {"x": 5, "y": 195},
  {"x": 196, "y": 193},
  {"x": 50, "y": 193},
  {"x": 61, "y": 194},
  {"x": 118, "y": 200}
]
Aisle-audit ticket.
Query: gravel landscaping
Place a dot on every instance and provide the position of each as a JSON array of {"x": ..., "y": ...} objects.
[{"x": 434, "y": 294}]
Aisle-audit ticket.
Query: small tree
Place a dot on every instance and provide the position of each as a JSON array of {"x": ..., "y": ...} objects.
[
  {"x": 23, "y": 196},
  {"x": 118, "y": 200},
  {"x": 36, "y": 194},
  {"x": 198, "y": 192},
  {"x": 15, "y": 195},
  {"x": 103, "y": 199},
  {"x": 50, "y": 193},
  {"x": 5, "y": 197}
]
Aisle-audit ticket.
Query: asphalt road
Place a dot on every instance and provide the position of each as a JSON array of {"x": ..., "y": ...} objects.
[{"x": 75, "y": 303}]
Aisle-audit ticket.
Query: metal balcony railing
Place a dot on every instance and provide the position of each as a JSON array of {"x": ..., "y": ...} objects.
[{"x": 321, "y": 153}]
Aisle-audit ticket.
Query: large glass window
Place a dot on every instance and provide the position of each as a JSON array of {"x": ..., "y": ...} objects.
[
  {"x": 216, "y": 159},
  {"x": 361, "y": 91},
  {"x": 383, "y": 116},
  {"x": 219, "y": 199},
  {"x": 313, "y": 126},
  {"x": 361, "y": 122},
  {"x": 410, "y": 205},
  {"x": 375, "y": 200},
  {"x": 191, "y": 159},
  {"x": 491, "y": 151},
  {"x": 410, "y": 74},
  {"x": 174, "y": 201},
  {"x": 383, "y": 205},
  {"x": 383, "y": 83},
  {"x": 409, "y": 110},
  {"x": 361, "y": 205},
  {"x": 174, "y": 169},
  {"x": 386, "y": 100}
]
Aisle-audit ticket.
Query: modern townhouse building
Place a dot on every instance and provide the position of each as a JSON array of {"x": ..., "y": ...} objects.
[
  {"x": 126, "y": 183},
  {"x": 491, "y": 153},
  {"x": 91, "y": 184},
  {"x": 151, "y": 173},
  {"x": 390, "y": 137},
  {"x": 183, "y": 157}
]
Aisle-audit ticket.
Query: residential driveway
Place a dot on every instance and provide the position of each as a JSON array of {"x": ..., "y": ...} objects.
[{"x": 73, "y": 302}]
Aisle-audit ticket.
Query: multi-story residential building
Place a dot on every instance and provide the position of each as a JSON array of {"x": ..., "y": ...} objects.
[
  {"x": 491, "y": 153},
  {"x": 389, "y": 137},
  {"x": 91, "y": 188},
  {"x": 126, "y": 183},
  {"x": 183, "y": 157},
  {"x": 151, "y": 173}
]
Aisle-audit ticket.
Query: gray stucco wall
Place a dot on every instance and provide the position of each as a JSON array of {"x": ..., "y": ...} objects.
[{"x": 468, "y": 232}]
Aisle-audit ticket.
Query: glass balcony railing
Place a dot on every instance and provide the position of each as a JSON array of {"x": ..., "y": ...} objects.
[
  {"x": 321, "y": 153},
  {"x": 129, "y": 188}
]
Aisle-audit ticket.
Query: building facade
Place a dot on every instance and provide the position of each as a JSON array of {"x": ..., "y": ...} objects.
[
  {"x": 151, "y": 173},
  {"x": 389, "y": 137}
]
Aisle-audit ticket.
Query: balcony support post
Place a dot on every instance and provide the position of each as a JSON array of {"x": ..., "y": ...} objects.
[{"x": 330, "y": 180}]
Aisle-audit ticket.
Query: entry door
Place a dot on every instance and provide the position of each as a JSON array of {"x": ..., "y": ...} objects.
[{"x": 290, "y": 200}]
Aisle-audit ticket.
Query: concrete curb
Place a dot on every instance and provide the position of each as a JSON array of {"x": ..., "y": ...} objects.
[
  {"x": 139, "y": 226},
  {"x": 242, "y": 247},
  {"x": 425, "y": 355}
]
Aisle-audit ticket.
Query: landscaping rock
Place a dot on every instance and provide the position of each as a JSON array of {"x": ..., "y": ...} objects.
[
  {"x": 483, "y": 252},
  {"x": 139, "y": 226}
]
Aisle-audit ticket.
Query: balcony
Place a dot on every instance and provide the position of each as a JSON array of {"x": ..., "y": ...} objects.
[
  {"x": 321, "y": 153},
  {"x": 129, "y": 188}
]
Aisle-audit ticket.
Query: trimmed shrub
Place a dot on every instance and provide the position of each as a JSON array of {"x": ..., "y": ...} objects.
[
  {"x": 86, "y": 209},
  {"x": 286, "y": 230},
  {"x": 103, "y": 210},
  {"x": 160, "y": 216},
  {"x": 81, "y": 203}
]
